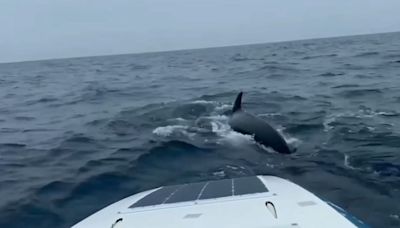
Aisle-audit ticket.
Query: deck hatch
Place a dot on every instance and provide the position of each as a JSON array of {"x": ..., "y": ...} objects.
[{"x": 202, "y": 191}]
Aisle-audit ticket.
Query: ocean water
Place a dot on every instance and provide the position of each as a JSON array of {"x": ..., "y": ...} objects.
[{"x": 79, "y": 134}]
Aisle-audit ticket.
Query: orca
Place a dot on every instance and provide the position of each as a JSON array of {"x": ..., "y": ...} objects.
[{"x": 262, "y": 132}]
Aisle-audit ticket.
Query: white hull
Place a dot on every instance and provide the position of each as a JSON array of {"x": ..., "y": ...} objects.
[{"x": 281, "y": 204}]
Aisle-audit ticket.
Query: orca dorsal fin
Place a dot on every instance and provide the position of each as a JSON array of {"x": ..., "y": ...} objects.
[{"x": 238, "y": 103}]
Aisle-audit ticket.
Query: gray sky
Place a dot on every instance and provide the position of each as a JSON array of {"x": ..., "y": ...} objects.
[{"x": 44, "y": 29}]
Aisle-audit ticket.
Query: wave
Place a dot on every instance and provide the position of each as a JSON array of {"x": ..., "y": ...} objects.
[
  {"x": 274, "y": 68},
  {"x": 223, "y": 130},
  {"x": 137, "y": 67},
  {"x": 386, "y": 168},
  {"x": 319, "y": 56},
  {"x": 380, "y": 168},
  {"x": 206, "y": 127},
  {"x": 346, "y": 86},
  {"x": 171, "y": 153},
  {"x": 360, "y": 93},
  {"x": 240, "y": 58},
  {"x": 335, "y": 119},
  {"x": 346, "y": 162},
  {"x": 24, "y": 118},
  {"x": 290, "y": 140},
  {"x": 179, "y": 119},
  {"x": 395, "y": 55},
  {"x": 331, "y": 74},
  {"x": 223, "y": 107},
  {"x": 269, "y": 114},
  {"x": 12, "y": 145},
  {"x": 173, "y": 129},
  {"x": 367, "y": 54},
  {"x": 42, "y": 100},
  {"x": 192, "y": 110},
  {"x": 202, "y": 102},
  {"x": 304, "y": 127},
  {"x": 30, "y": 213}
]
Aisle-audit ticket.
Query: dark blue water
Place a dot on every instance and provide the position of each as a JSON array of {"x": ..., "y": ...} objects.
[{"x": 79, "y": 134}]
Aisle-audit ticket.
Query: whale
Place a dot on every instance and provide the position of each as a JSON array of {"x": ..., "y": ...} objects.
[{"x": 263, "y": 133}]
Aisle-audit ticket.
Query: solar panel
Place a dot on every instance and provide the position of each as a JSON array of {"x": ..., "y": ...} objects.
[
  {"x": 187, "y": 193},
  {"x": 156, "y": 197},
  {"x": 217, "y": 189},
  {"x": 202, "y": 191},
  {"x": 248, "y": 185}
]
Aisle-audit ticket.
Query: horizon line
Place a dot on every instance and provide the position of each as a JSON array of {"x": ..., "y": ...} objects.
[{"x": 194, "y": 49}]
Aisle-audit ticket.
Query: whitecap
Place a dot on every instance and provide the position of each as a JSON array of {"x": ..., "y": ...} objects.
[
  {"x": 387, "y": 113},
  {"x": 288, "y": 138},
  {"x": 232, "y": 167},
  {"x": 166, "y": 131},
  {"x": 221, "y": 118},
  {"x": 180, "y": 119},
  {"x": 371, "y": 128},
  {"x": 219, "y": 173},
  {"x": 266, "y": 149},
  {"x": 269, "y": 165},
  {"x": 333, "y": 118},
  {"x": 327, "y": 123},
  {"x": 269, "y": 114},
  {"x": 359, "y": 114},
  {"x": 220, "y": 126},
  {"x": 202, "y": 102},
  {"x": 237, "y": 138},
  {"x": 346, "y": 162},
  {"x": 223, "y": 107},
  {"x": 371, "y": 113}
]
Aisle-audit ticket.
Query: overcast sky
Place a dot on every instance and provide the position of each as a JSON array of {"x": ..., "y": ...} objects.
[{"x": 45, "y": 29}]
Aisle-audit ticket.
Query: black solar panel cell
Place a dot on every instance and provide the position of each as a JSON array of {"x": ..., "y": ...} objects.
[
  {"x": 156, "y": 197},
  {"x": 216, "y": 189},
  {"x": 188, "y": 192},
  {"x": 248, "y": 185}
]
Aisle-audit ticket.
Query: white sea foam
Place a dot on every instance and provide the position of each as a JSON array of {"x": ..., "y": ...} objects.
[
  {"x": 237, "y": 138},
  {"x": 359, "y": 114},
  {"x": 288, "y": 138},
  {"x": 327, "y": 123},
  {"x": 220, "y": 118},
  {"x": 202, "y": 102},
  {"x": 346, "y": 162},
  {"x": 219, "y": 173},
  {"x": 232, "y": 167},
  {"x": 166, "y": 131},
  {"x": 269, "y": 114},
  {"x": 179, "y": 119},
  {"x": 292, "y": 140},
  {"x": 372, "y": 113},
  {"x": 220, "y": 126},
  {"x": 332, "y": 118},
  {"x": 267, "y": 149},
  {"x": 269, "y": 165},
  {"x": 223, "y": 107},
  {"x": 238, "y": 169},
  {"x": 394, "y": 216}
]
